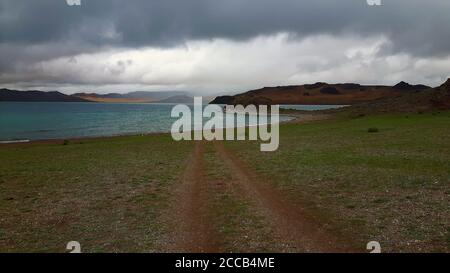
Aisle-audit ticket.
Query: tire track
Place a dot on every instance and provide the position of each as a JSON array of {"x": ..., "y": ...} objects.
[
  {"x": 192, "y": 232},
  {"x": 292, "y": 228}
]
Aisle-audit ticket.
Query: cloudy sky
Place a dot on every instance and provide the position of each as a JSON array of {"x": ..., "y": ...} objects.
[{"x": 219, "y": 46}]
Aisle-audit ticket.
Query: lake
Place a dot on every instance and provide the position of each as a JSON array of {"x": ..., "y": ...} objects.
[{"x": 59, "y": 120}]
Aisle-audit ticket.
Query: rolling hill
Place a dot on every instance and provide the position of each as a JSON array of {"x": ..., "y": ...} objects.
[
  {"x": 320, "y": 93},
  {"x": 178, "y": 99},
  {"x": 431, "y": 99},
  {"x": 37, "y": 96},
  {"x": 139, "y": 96}
]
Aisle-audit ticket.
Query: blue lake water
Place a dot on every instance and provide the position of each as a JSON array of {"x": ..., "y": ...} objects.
[
  {"x": 59, "y": 120},
  {"x": 28, "y": 120}
]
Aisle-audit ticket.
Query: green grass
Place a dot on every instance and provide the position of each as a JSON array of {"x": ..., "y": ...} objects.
[
  {"x": 107, "y": 193},
  {"x": 392, "y": 186}
]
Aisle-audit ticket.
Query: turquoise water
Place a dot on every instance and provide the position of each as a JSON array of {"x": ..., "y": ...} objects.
[
  {"x": 59, "y": 120},
  {"x": 28, "y": 120}
]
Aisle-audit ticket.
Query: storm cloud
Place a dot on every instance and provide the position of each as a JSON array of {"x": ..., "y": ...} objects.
[{"x": 47, "y": 42}]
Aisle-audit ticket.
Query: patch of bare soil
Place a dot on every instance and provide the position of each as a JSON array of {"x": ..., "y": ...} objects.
[
  {"x": 191, "y": 230},
  {"x": 293, "y": 228}
]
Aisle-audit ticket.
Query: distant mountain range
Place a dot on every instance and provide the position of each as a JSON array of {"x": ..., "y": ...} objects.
[
  {"x": 320, "y": 93},
  {"x": 37, "y": 96},
  {"x": 178, "y": 99},
  {"x": 54, "y": 96},
  {"x": 139, "y": 96}
]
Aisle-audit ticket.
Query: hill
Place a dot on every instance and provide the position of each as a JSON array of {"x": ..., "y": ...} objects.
[
  {"x": 320, "y": 93},
  {"x": 37, "y": 96},
  {"x": 112, "y": 97},
  {"x": 177, "y": 99},
  {"x": 427, "y": 100},
  {"x": 138, "y": 96}
]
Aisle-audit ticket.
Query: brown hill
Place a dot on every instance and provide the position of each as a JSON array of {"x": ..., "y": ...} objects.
[
  {"x": 96, "y": 98},
  {"x": 37, "y": 96},
  {"x": 177, "y": 99},
  {"x": 427, "y": 100},
  {"x": 320, "y": 93},
  {"x": 138, "y": 96}
]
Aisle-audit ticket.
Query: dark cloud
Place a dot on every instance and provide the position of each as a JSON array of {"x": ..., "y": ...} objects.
[
  {"x": 416, "y": 26},
  {"x": 40, "y": 30}
]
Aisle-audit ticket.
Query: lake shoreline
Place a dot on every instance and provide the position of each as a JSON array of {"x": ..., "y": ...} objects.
[
  {"x": 55, "y": 121},
  {"x": 295, "y": 119}
]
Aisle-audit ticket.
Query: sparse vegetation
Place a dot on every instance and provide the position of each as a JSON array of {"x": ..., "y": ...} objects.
[
  {"x": 107, "y": 193},
  {"x": 393, "y": 187}
]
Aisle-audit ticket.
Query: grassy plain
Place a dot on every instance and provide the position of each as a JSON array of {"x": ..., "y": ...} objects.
[{"x": 390, "y": 185}]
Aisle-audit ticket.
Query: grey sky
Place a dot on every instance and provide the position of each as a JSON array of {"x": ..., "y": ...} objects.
[{"x": 38, "y": 37}]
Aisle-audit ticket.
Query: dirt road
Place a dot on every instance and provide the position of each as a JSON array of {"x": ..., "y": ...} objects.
[{"x": 192, "y": 229}]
